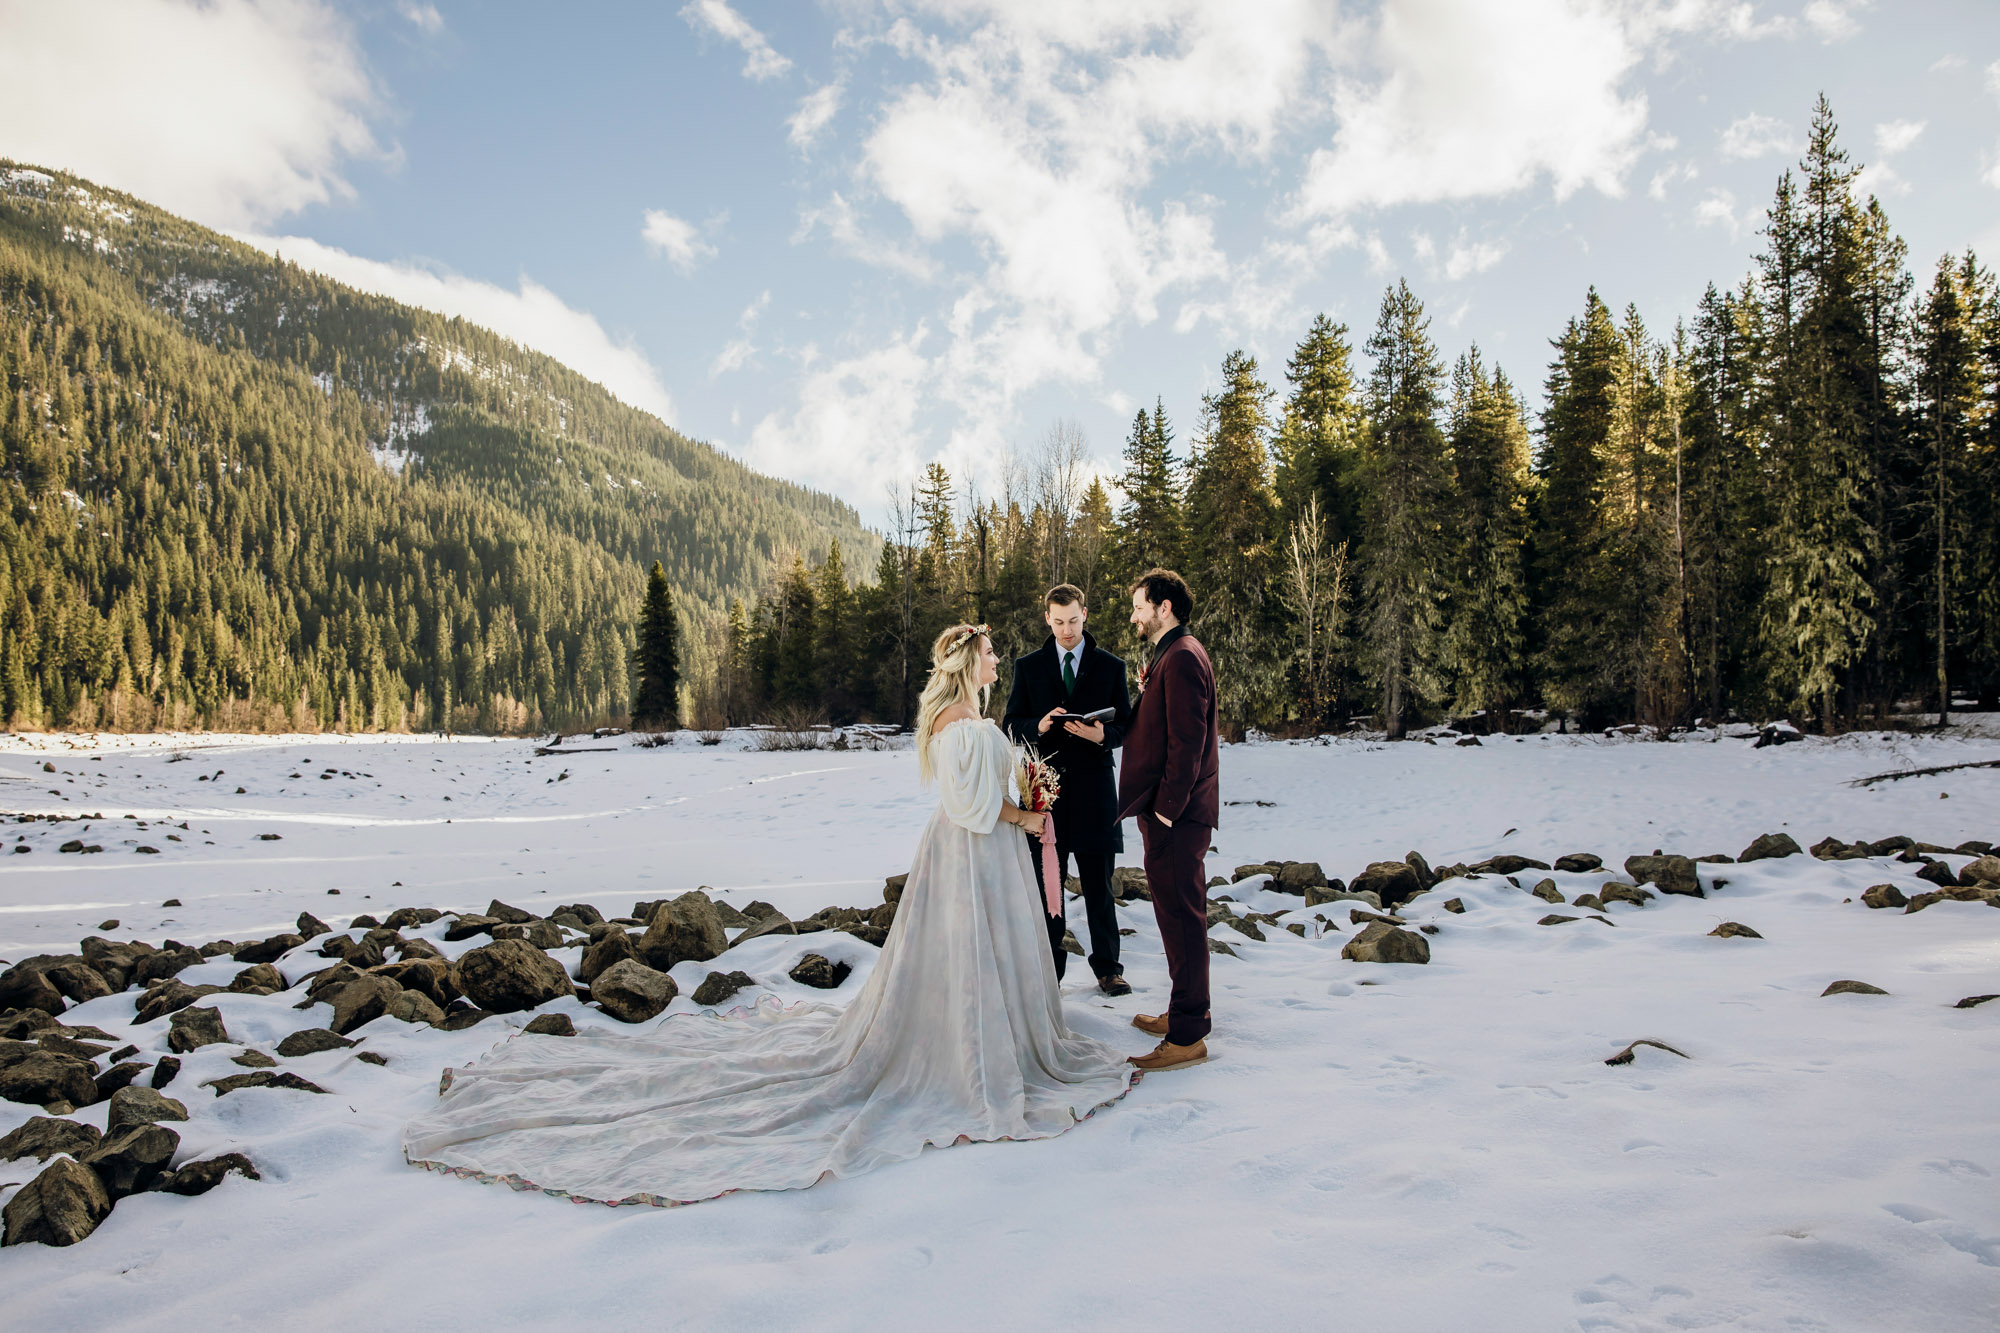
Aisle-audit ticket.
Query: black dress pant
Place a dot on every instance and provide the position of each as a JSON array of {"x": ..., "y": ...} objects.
[{"x": 1093, "y": 869}]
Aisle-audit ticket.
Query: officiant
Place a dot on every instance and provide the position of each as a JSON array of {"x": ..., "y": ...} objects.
[{"x": 1070, "y": 674}]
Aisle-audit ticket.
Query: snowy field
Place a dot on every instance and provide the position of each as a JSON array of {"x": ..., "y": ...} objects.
[{"x": 1374, "y": 1147}]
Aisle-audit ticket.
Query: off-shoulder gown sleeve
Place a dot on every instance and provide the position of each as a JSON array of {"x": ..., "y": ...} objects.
[{"x": 957, "y": 1033}]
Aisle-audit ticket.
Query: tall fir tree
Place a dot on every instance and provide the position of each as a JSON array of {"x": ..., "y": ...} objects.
[
  {"x": 1404, "y": 561},
  {"x": 1150, "y": 519},
  {"x": 1485, "y": 592},
  {"x": 657, "y": 661}
]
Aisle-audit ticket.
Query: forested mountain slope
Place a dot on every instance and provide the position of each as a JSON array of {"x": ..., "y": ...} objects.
[{"x": 238, "y": 494}]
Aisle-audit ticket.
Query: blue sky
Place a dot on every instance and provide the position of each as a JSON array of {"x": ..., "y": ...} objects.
[{"x": 841, "y": 240}]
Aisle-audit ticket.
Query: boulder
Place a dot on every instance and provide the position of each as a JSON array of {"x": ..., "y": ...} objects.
[
  {"x": 1129, "y": 882},
  {"x": 201, "y": 1177},
  {"x": 362, "y": 1000},
  {"x": 1588, "y": 901},
  {"x": 262, "y": 1078},
  {"x": 77, "y": 981},
  {"x": 309, "y": 1041},
  {"x": 262, "y": 979},
  {"x": 1579, "y": 863},
  {"x": 430, "y": 976},
  {"x": 43, "y": 1078},
  {"x": 586, "y": 916},
  {"x": 128, "y": 1160},
  {"x": 1547, "y": 891},
  {"x": 1830, "y": 848},
  {"x": 773, "y": 923},
  {"x": 507, "y": 976},
  {"x": 168, "y": 997},
  {"x": 1336, "y": 892},
  {"x": 322, "y": 986},
  {"x": 1298, "y": 876},
  {"x": 23, "y": 986},
  {"x": 1624, "y": 893},
  {"x": 191, "y": 1029},
  {"x": 164, "y": 964},
  {"x": 1270, "y": 868},
  {"x": 60, "y": 1206},
  {"x": 514, "y": 916},
  {"x": 413, "y": 1006},
  {"x": 1852, "y": 988},
  {"x": 1974, "y": 1001},
  {"x": 1381, "y": 942},
  {"x": 1938, "y": 873},
  {"x": 142, "y": 1106},
  {"x": 1455, "y": 905},
  {"x": 819, "y": 972},
  {"x": 1729, "y": 930},
  {"x": 1772, "y": 845},
  {"x": 1670, "y": 874},
  {"x": 1391, "y": 882},
  {"x": 270, "y": 950},
  {"x": 42, "y": 1137},
  {"x": 115, "y": 960},
  {"x": 1425, "y": 875},
  {"x": 468, "y": 924},
  {"x": 457, "y": 1020},
  {"x": 165, "y": 1071},
  {"x": 1509, "y": 864},
  {"x": 687, "y": 929},
  {"x": 311, "y": 927},
  {"x": 612, "y": 947},
  {"x": 1885, "y": 895},
  {"x": 253, "y": 1060},
  {"x": 735, "y": 920},
  {"x": 1557, "y": 919},
  {"x": 1984, "y": 870},
  {"x": 631, "y": 992},
  {"x": 759, "y": 909},
  {"x": 719, "y": 986},
  {"x": 404, "y": 917}
]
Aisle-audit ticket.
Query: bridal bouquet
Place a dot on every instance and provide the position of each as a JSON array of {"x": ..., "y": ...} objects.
[{"x": 1039, "y": 785}]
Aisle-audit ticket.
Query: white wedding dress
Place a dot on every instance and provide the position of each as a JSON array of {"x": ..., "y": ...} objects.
[{"x": 957, "y": 1034}]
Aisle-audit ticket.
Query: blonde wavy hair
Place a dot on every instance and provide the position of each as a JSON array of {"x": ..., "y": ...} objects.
[{"x": 954, "y": 680}]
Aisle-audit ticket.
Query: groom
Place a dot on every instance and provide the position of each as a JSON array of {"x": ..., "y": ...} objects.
[
  {"x": 1169, "y": 783},
  {"x": 1071, "y": 674}
]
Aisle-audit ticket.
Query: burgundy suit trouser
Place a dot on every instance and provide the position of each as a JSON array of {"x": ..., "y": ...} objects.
[{"x": 1177, "y": 879}]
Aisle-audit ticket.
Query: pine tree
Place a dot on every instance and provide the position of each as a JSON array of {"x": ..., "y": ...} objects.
[
  {"x": 1407, "y": 487},
  {"x": 837, "y": 638},
  {"x": 1150, "y": 520},
  {"x": 657, "y": 662},
  {"x": 1486, "y": 596},
  {"x": 1948, "y": 393},
  {"x": 1319, "y": 439}
]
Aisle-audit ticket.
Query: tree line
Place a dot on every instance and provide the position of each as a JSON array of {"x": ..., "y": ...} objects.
[{"x": 1781, "y": 507}]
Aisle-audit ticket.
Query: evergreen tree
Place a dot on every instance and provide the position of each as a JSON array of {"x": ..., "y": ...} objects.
[
  {"x": 1150, "y": 521},
  {"x": 1319, "y": 439},
  {"x": 1485, "y": 592},
  {"x": 1949, "y": 390},
  {"x": 1403, "y": 561},
  {"x": 657, "y": 662}
]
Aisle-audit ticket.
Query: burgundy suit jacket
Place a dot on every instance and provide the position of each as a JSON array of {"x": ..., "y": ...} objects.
[{"x": 1172, "y": 763}]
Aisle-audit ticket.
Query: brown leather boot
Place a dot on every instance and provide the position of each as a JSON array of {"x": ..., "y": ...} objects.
[
  {"x": 1153, "y": 1025},
  {"x": 1169, "y": 1056}
]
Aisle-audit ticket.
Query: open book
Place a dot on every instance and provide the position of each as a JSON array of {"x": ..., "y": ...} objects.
[{"x": 1101, "y": 715}]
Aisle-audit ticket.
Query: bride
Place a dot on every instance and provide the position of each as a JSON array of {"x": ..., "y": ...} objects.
[{"x": 957, "y": 1035}]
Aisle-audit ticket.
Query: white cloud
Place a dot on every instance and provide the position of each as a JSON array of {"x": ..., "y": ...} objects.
[
  {"x": 1832, "y": 19},
  {"x": 425, "y": 17},
  {"x": 737, "y": 353},
  {"x": 1993, "y": 78},
  {"x": 1476, "y": 100},
  {"x": 533, "y": 316},
  {"x": 1895, "y": 135},
  {"x": 1949, "y": 60},
  {"x": 841, "y": 222},
  {"x": 1719, "y": 210},
  {"x": 855, "y": 426},
  {"x": 1667, "y": 175},
  {"x": 1379, "y": 260},
  {"x": 676, "y": 238},
  {"x": 1754, "y": 136},
  {"x": 715, "y": 16},
  {"x": 1463, "y": 259},
  {"x": 816, "y": 111},
  {"x": 232, "y": 113}
]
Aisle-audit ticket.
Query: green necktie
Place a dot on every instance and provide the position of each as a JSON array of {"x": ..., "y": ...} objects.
[{"x": 1069, "y": 674}]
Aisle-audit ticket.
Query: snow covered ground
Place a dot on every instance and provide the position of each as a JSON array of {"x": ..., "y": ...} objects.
[{"x": 1373, "y": 1147}]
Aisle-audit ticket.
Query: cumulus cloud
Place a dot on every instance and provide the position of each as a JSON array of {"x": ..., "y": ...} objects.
[
  {"x": 1475, "y": 100},
  {"x": 717, "y": 18},
  {"x": 855, "y": 425},
  {"x": 816, "y": 111},
  {"x": 1753, "y": 136},
  {"x": 233, "y": 113},
  {"x": 532, "y": 315},
  {"x": 1895, "y": 135},
  {"x": 676, "y": 238},
  {"x": 1719, "y": 210},
  {"x": 1832, "y": 20},
  {"x": 1667, "y": 175}
]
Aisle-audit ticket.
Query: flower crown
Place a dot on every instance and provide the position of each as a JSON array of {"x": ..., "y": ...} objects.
[{"x": 965, "y": 634}]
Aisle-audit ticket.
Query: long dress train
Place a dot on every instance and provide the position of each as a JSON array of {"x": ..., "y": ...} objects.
[{"x": 958, "y": 1033}]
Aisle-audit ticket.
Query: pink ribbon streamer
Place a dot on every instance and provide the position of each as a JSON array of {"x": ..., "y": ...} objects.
[{"x": 1051, "y": 879}]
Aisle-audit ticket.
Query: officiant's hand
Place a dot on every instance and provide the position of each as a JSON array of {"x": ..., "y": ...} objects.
[
  {"x": 1048, "y": 720},
  {"x": 1090, "y": 731}
]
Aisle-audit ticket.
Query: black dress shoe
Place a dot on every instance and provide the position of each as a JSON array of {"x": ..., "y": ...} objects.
[{"x": 1114, "y": 985}]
